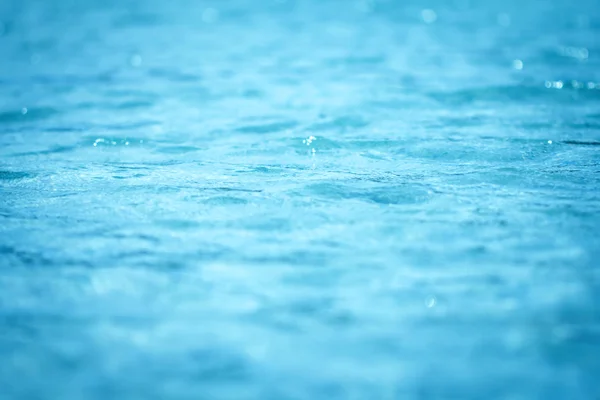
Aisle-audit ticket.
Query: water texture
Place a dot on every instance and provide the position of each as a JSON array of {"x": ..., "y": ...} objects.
[{"x": 299, "y": 199}]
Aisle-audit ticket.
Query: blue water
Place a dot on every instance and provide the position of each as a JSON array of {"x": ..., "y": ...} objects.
[{"x": 299, "y": 199}]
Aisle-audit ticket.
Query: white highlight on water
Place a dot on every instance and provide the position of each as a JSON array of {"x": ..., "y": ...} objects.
[
  {"x": 554, "y": 84},
  {"x": 580, "y": 53},
  {"x": 309, "y": 140}
]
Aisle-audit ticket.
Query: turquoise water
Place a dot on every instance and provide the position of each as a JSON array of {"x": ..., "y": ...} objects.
[{"x": 299, "y": 199}]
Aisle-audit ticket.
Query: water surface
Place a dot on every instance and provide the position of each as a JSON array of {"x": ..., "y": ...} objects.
[{"x": 299, "y": 199}]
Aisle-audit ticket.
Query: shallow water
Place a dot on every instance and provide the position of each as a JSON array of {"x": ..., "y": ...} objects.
[{"x": 299, "y": 199}]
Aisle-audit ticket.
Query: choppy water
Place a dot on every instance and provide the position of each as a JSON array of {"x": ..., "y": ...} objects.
[{"x": 299, "y": 199}]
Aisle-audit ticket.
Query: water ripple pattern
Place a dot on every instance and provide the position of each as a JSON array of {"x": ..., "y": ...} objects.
[{"x": 299, "y": 199}]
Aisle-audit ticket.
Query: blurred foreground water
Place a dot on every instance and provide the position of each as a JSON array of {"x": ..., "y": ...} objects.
[{"x": 299, "y": 199}]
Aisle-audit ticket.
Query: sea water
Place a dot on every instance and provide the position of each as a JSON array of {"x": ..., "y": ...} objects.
[{"x": 299, "y": 199}]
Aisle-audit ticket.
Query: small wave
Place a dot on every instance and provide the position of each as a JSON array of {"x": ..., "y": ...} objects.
[
  {"x": 27, "y": 114},
  {"x": 272, "y": 127},
  {"x": 14, "y": 175},
  {"x": 583, "y": 142}
]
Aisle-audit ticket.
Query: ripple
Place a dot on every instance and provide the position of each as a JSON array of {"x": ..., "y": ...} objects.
[
  {"x": 272, "y": 127},
  {"x": 225, "y": 200},
  {"x": 27, "y": 114},
  {"x": 340, "y": 124},
  {"x": 173, "y": 234},
  {"x": 56, "y": 149},
  {"x": 125, "y": 126},
  {"x": 173, "y": 75},
  {"x": 390, "y": 194},
  {"x": 137, "y": 20},
  {"x": 520, "y": 94},
  {"x": 177, "y": 149},
  {"x": 14, "y": 175},
  {"x": 582, "y": 142}
]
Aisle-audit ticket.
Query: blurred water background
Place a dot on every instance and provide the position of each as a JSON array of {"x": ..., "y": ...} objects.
[{"x": 299, "y": 199}]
